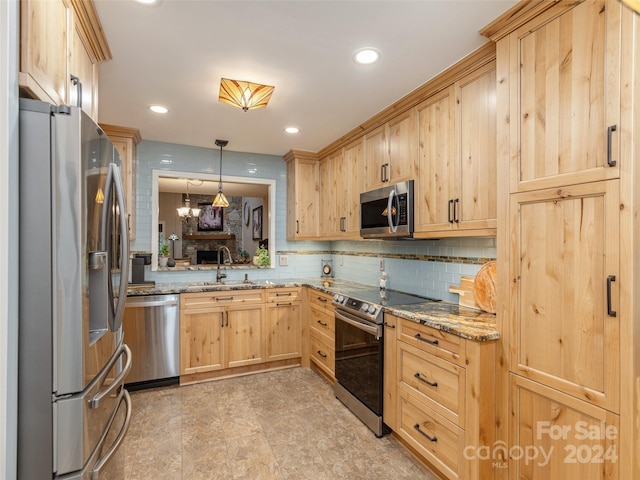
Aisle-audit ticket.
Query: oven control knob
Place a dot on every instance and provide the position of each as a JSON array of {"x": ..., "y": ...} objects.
[
  {"x": 364, "y": 307},
  {"x": 335, "y": 297},
  {"x": 340, "y": 299},
  {"x": 372, "y": 309}
]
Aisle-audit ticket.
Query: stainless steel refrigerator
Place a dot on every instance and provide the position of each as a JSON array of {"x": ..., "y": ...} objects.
[{"x": 73, "y": 409}]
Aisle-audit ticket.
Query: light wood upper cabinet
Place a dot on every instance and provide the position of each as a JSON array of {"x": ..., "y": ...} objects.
[
  {"x": 341, "y": 182},
  {"x": 435, "y": 189},
  {"x": 355, "y": 180},
  {"x": 302, "y": 195},
  {"x": 564, "y": 86},
  {"x": 44, "y": 37},
  {"x": 125, "y": 140},
  {"x": 457, "y": 151},
  {"x": 391, "y": 152},
  {"x": 565, "y": 271},
  {"x": 58, "y": 39}
]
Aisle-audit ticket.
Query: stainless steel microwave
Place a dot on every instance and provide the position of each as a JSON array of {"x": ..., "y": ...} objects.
[{"x": 387, "y": 212}]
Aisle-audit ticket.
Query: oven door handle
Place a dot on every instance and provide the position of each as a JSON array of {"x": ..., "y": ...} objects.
[{"x": 353, "y": 320}]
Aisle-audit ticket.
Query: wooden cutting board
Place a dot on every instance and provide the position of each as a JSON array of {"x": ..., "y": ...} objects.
[
  {"x": 485, "y": 287},
  {"x": 466, "y": 292}
]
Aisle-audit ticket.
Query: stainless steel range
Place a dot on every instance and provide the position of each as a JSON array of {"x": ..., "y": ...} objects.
[{"x": 360, "y": 350}]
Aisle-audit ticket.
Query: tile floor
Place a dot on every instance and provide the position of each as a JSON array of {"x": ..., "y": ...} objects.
[{"x": 285, "y": 424}]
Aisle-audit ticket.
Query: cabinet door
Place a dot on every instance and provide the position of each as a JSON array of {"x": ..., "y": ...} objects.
[
  {"x": 377, "y": 158},
  {"x": 356, "y": 182},
  {"x": 44, "y": 34},
  {"x": 302, "y": 199},
  {"x": 283, "y": 327},
  {"x": 565, "y": 91},
  {"x": 81, "y": 66},
  {"x": 570, "y": 438},
  {"x": 476, "y": 176},
  {"x": 436, "y": 134},
  {"x": 403, "y": 151},
  {"x": 201, "y": 340},
  {"x": 564, "y": 270},
  {"x": 244, "y": 340},
  {"x": 340, "y": 187},
  {"x": 326, "y": 211}
]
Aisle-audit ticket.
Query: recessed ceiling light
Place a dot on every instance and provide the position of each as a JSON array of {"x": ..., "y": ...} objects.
[
  {"x": 148, "y": 2},
  {"x": 158, "y": 109},
  {"x": 366, "y": 56},
  {"x": 292, "y": 129}
]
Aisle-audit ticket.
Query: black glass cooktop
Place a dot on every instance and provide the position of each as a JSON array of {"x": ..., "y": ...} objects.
[{"x": 374, "y": 295}]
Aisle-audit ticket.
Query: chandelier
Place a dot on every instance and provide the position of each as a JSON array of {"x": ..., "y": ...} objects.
[{"x": 186, "y": 211}]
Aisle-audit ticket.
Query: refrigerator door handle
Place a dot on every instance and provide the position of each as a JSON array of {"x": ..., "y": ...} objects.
[
  {"x": 124, "y": 248},
  {"x": 95, "y": 472},
  {"x": 95, "y": 401}
]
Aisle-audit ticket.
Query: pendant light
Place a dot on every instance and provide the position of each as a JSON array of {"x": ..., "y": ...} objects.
[
  {"x": 220, "y": 200},
  {"x": 186, "y": 211}
]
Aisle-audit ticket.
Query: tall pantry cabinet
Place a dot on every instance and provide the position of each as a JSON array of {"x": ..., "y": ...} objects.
[{"x": 566, "y": 88}]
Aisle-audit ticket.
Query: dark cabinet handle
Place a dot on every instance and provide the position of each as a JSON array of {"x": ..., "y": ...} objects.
[
  {"x": 431, "y": 384},
  {"x": 455, "y": 210},
  {"x": 429, "y": 437},
  {"x": 610, "y": 279},
  {"x": 323, "y": 300},
  {"x": 78, "y": 84},
  {"x": 610, "y": 130},
  {"x": 426, "y": 340},
  {"x": 297, "y": 226},
  {"x": 325, "y": 325},
  {"x": 389, "y": 325},
  {"x": 449, "y": 212},
  {"x": 323, "y": 355},
  {"x": 227, "y": 322}
]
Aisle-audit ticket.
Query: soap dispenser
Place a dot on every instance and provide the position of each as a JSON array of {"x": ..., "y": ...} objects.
[{"x": 383, "y": 281}]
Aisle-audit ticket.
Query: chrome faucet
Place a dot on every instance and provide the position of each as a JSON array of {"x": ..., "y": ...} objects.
[{"x": 221, "y": 250}]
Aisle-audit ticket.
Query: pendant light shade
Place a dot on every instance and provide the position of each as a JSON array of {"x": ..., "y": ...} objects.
[
  {"x": 220, "y": 200},
  {"x": 245, "y": 95},
  {"x": 186, "y": 211}
]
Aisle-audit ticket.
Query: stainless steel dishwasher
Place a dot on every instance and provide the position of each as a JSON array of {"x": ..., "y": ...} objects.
[{"x": 152, "y": 332}]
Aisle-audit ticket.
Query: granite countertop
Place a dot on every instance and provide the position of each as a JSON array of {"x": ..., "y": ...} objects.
[{"x": 462, "y": 321}]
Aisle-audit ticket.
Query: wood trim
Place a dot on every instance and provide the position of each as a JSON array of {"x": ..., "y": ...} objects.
[
  {"x": 222, "y": 236},
  {"x": 89, "y": 28},
  {"x": 118, "y": 131},
  {"x": 468, "y": 64},
  {"x": 238, "y": 371},
  {"x": 521, "y": 13},
  {"x": 300, "y": 155}
]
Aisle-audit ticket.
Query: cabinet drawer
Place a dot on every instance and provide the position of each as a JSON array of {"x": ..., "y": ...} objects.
[
  {"x": 320, "y": 299},
  {"x": 232, "y": 297},
  {"x": 436, "y": 382},
  {"x": 433, "y": 341},
  {"x": 322, "y": 321},
  {"x": 437, "y": 439},
  {"x": 283, "y": 295},
  {"x": 321, "y": 352}
]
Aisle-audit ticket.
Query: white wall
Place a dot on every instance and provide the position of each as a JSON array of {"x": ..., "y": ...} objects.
[{"x": 9, "y": 235}]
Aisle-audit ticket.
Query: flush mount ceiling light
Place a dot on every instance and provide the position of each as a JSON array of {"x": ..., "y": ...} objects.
[
  {"x": 366, "y": 56},
  {"x": 220, "y": 200},
  {"x": 245, "y": 95},
  {"x": 633, "y": 5},
  {"x": 158, "y": 109},
  {"x": 186, "y": 211},
  {"x": 292, "y": 129}
]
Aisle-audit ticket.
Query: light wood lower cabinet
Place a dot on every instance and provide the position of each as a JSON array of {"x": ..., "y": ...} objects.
[
  {"x": 439, "y": 397},
  {"x": 237, "y": 332},
  {"x": 220, "y": 330},
  {"x": 322, "y": 333},
  {"x": 554, "y": 435},
  {"x": 284, "y": 322}
]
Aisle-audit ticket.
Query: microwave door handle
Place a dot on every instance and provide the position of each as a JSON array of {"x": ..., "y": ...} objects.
[
  {"x": 124, "y": 249},
  {"x": 393, "y": 227}
]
